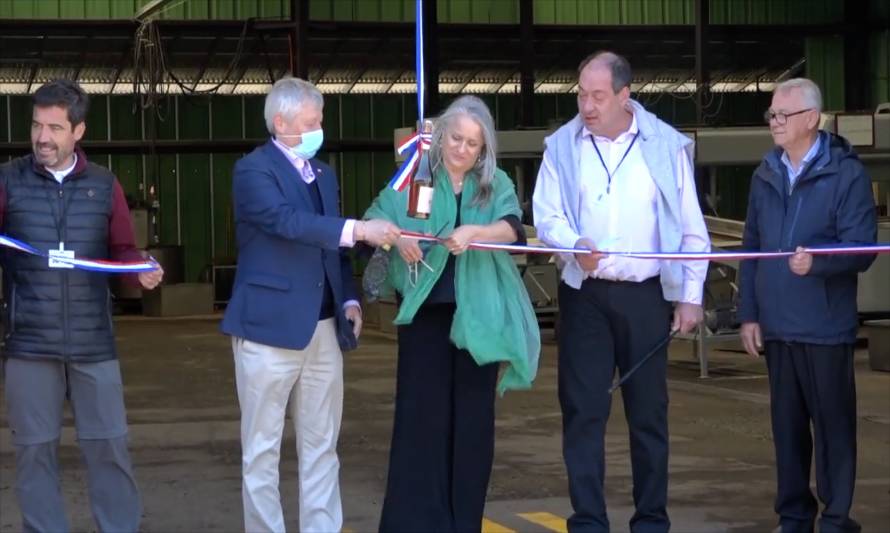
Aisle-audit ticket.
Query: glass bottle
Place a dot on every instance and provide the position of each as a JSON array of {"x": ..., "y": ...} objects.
[{"x": 420, "y": 194}]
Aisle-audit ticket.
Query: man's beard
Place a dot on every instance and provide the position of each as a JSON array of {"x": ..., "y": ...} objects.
[{"x": 55, "y": 157}]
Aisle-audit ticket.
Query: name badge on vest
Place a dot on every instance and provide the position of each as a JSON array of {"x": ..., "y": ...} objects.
[{"x": 61, "y": 252}]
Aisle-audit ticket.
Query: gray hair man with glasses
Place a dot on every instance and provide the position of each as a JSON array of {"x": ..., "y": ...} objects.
[
  {"x": 810, "y": 100},
  {"x": 811, "y": 190}
]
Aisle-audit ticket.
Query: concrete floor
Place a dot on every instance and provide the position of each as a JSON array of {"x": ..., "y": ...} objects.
[{"x": 183, "y": 416}]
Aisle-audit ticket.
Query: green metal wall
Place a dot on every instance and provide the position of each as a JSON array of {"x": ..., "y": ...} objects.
[
  {"x": 683, "y": 11},
  {"x": 474, "y": 11},
  {"x": 825, "y": 66},
  {"x": 880, "y": 67},
  {"x": 614, "y": 12},
  {"x": 880, "y": 58},
  {"x": 480, "y": 11},
  {"x": 776, "y": 11},
  {"x": 124, "y": 9}
]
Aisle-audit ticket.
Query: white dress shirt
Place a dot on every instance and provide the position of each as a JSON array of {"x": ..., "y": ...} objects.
[{"x": 621, "y": 216}]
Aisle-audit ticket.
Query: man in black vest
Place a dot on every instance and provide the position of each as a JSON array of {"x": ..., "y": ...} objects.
[{"x": 59, "y": 340}]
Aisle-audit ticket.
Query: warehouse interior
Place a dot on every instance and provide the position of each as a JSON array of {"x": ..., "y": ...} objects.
[{"x": 177, "y": 90}]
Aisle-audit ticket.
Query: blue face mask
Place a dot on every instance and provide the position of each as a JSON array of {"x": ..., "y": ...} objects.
[{"x": 309, "y": 145}]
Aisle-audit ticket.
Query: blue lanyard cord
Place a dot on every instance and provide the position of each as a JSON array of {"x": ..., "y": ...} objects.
[{"x": 609, "y": 174}]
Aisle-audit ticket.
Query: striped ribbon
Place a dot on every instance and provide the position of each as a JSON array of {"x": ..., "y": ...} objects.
[
  {"x": 879, "y": 248},
  {"x": 93, "y": 265},
  {"x": 402, "y": 177}
]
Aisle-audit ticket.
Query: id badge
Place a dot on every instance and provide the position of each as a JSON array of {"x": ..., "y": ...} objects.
[{"x": 61, "y": 252}]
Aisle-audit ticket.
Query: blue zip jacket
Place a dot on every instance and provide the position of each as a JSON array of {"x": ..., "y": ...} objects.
[{"x": 831, "y": 203}]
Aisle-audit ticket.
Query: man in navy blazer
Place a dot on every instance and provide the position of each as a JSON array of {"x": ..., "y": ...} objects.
[{"x": 294, "y": 306}]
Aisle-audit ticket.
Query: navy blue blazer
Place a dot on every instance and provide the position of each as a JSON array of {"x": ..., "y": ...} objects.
[{"x": 285, "y": 249}]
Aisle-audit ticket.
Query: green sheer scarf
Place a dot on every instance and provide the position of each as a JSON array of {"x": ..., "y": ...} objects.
[{"x": 494, "y": 320}]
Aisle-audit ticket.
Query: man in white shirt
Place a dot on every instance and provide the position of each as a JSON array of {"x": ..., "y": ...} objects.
[{"x": 617, "y": 178}]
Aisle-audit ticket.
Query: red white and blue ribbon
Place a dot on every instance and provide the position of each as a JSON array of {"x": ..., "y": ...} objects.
[
  {"x": 409, "y": 146},
  {"x": 9, "y": 242},
  {"x": 732, "y": 255},
  {"x": 109, "y": 267},
  {"x": 93, "y": 265},
  {"x": 412, "y": 159}
]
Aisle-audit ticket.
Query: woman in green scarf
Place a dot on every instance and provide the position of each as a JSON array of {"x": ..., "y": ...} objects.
[{"x": 462, "y": 313}]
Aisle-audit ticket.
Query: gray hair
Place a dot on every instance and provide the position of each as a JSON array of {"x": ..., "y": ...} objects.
[
  {"x": 617, "y": 64},
  {"x": 812, "y": 96},
  {"x": 484, "y": 169},
  {"x": 287, "y": 97}
]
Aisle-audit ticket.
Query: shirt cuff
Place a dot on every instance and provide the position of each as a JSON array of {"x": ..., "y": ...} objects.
[
  {"x": 347, "y": 236},
  {"x": 563, "y": 237},
  {"x": 350, "y": 303},
  {"x": 692, "y": 292}
]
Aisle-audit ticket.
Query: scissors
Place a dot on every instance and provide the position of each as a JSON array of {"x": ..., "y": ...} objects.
[{"x": 413, "y": 269}]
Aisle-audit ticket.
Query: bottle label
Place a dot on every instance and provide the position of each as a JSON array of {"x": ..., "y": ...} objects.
[{"x": 424, "y": 199}]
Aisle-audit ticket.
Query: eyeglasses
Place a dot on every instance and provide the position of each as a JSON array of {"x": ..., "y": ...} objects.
[{"x": 781, "y": 118}]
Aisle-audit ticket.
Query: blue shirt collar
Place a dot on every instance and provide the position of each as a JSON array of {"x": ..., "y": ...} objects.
[{"x": 810, "y": 155}]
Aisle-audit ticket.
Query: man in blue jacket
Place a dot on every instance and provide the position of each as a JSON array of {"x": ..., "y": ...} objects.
[
  {"x": 294, "y": 307},
  {"x": 810, "y": 191}
]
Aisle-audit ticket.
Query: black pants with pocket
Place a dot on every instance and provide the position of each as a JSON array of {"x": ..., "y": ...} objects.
[
  {"x": 603, "y": 326},
  {"x": 443, "y": 434},
  {"x": 813, "y": 402}
]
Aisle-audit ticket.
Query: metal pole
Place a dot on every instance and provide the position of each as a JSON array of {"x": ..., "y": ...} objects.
[
  {"x": 299, "y": 17},
  {"x": 212, "y": 189},
  {"x": 526, "y": 62},
  {"x": 857, "y": 55},
  {"x": 702, "y": 14},
  {"x": 178, "y": 192},
  {"x": 431, "y": 57}
]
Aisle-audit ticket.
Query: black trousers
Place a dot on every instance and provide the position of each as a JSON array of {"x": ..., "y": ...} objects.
[
  {"x": 604, "y": 325},
  {"x": 443, "y": 434},
  {"x": 813, "y": 398}
]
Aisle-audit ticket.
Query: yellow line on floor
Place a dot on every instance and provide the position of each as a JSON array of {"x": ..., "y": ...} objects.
[
  {"x": 548, "y": 520},
  {"x": 489, "y": 526}
]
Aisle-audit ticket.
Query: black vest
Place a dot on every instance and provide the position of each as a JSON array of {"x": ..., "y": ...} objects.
[
  {"x": 51, "y": 313},
  {"x": 327, "y": 294}
]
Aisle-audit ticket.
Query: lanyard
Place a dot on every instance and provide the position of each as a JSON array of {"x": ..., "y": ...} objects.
[
  {"x": 609, "y": 174},
  {"x": 59, "y": 218}
]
